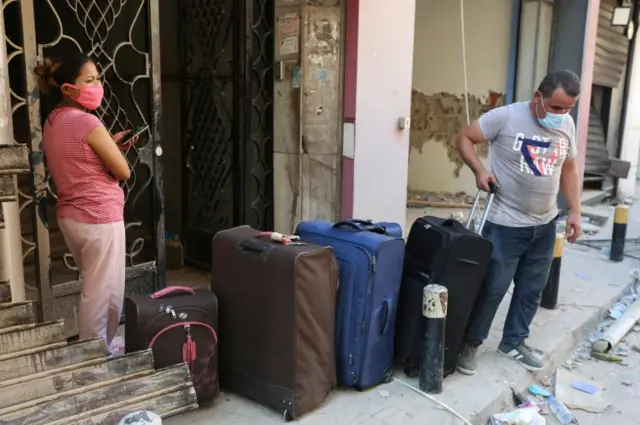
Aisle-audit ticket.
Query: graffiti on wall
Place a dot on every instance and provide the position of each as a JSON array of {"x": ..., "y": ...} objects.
[{"x": 439, "y": 117}]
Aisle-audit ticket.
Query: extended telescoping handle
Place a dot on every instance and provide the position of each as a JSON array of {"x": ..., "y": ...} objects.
[{"x": 492, "y": 192}]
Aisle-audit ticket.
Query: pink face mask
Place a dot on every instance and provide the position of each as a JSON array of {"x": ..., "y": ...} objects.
[{"x": 90, "y": 97}]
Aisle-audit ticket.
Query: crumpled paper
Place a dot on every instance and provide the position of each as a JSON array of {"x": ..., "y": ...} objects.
[{"x": 526, "y": 416}]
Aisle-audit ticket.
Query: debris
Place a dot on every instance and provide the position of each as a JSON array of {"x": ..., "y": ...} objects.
[
  {"x": 614, "y": 334},
  {"x": 536, "y": 390},
  {"x": 560, "y": 411},
  {"x": 518, "y": 399},
  {"x": 574, "y": 399},
  {"x": 627, "y": 383},
  {"x": 526, "y": 416},
  {"x": 606, "y": 357},
  {"x": 585, "y": 388},
  {"x": 383, "y": 394},
  {"x": 546, "y": 382},
  {"x": 617, "y": 310},
  {"x": 436, "y": 204},
  {"x": 583, "y": 276},
  {"x": 635, "y": 348}
]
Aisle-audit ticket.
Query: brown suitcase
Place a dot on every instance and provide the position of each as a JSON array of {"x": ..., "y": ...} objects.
[
  {"x": 277, "y": 319},
  {"x": 180, "y": 325}
]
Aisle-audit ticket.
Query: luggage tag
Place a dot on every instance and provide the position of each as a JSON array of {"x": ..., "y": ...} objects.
[{"x": 293, "y": 240}]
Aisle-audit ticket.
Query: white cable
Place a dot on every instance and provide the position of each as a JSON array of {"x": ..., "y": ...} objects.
[
  {"x": 464, "y": 63},
  {"x": 435, "y": 400}
]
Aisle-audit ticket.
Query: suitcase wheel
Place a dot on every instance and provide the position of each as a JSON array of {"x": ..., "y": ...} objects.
[
  {"x": 388, "y": 375},
  {"x": 287, "y": 416}
]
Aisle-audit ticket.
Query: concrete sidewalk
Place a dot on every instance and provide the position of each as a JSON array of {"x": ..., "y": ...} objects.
[{"x": 589, "y": 286}]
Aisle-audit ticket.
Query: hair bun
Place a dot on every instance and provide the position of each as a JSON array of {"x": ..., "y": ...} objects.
[{"x": 45, "y": 72}]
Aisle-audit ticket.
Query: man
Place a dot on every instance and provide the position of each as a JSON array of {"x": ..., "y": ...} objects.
[{"x": 533, "y": 155}]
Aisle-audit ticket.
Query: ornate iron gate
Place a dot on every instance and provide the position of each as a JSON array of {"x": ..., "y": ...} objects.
[
  {"x": 122, "y": 37},
  {"x": 228, "y": 64}
]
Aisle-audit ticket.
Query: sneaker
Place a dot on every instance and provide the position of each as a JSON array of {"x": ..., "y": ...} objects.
[
  {"x": 523, "y": 355},
  {"x": 467, "y": 360}
]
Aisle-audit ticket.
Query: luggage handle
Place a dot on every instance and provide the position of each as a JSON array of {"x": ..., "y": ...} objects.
[
  {"x": 360, "y": 228},
  {"x": 492, "y": 192},
  {"x": 387, "y": 315},
  {"x": 172, "y": 290}
]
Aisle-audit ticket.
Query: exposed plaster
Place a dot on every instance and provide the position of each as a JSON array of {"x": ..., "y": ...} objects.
[{"x": 439, "y": 117}]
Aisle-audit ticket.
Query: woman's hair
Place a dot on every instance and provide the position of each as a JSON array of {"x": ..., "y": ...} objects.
[{"x": 53, "y": 73}]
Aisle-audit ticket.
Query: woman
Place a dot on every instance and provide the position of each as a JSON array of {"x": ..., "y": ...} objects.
[{"x": 86, "y": 165}]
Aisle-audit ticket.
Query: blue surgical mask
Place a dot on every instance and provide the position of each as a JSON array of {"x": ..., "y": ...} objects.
[{"x": 551, "y": 121}]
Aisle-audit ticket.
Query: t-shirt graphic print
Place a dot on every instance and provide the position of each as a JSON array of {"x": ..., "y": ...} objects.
[{"x": 527, "y": 160}]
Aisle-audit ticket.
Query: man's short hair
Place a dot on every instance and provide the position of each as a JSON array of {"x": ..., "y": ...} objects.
[{"x": 563, "y": 79}]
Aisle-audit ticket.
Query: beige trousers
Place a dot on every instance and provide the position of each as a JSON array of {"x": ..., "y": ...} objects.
[{"x": 99, "y": 253}]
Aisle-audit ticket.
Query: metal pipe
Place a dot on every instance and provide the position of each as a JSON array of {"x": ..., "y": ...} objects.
[
  {"x": 614, "y": 334},
  {"x": 434, "y": 309}
]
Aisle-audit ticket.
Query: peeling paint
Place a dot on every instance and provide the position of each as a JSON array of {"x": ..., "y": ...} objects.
[{"x": 439, "y": 117}]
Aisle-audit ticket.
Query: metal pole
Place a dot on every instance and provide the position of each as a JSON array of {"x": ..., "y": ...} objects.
[
  {"x": 549, "y": 299},
  {"x": 435, "y": 299},
  {"x": 620, "y": 220}
]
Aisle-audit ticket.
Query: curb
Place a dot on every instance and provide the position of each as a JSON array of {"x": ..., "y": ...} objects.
[{"x": 553, "y": 358}]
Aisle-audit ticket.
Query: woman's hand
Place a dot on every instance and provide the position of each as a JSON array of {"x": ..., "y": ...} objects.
[{"x": 122, "y": 135}]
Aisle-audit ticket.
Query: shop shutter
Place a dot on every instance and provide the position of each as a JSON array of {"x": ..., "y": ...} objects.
[{"x": 612, "y": 47}]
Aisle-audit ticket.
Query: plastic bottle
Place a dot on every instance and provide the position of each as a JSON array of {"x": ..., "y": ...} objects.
[{"x": 563, "y": 414}]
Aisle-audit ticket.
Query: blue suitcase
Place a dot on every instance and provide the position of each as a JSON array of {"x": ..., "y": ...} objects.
[{"x": 370, "y": 275}]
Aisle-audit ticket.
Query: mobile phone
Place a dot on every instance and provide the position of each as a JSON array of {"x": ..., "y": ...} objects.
[{"x": 138, "y": 131}]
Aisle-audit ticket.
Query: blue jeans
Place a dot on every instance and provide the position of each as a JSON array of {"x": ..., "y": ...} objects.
[{"x": 522, "y": 255}]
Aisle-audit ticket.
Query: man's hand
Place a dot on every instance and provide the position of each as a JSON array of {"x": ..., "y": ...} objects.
[
  {"x": 483, "y": 180},
  {"x": 574, "y": 227}
]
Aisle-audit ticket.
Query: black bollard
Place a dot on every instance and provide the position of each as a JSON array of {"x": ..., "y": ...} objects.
[
  {"x": 549, "y": 299},
  {"x": 434, "y": 309},
  {"x": 620, "y": 220}
]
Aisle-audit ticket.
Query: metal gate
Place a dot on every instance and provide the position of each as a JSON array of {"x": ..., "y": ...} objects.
[
  {"x": 122, "y": 37},
  {"x": 227, "y": 86}
]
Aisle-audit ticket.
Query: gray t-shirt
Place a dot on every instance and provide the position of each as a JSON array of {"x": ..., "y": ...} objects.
[{"x": 527, "y": 159}]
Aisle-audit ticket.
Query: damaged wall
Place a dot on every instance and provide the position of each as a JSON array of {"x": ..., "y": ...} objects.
[
  {"x": 307, "y": 111},
  {"x": 437, "y": 102}
]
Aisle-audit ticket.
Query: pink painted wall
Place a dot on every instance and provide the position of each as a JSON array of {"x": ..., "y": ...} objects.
[
  {"x": 588, "y": 59},
  {"x": 350, "y": 90},
  {"x": 385, "y": 62}
]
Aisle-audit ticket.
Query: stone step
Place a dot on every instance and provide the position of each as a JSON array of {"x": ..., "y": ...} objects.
[
  {"x": 5, "y": 292},
  {"x": 28, "y": 392},
  {"x": 48, "y": 358},
  {"x": 17, "y": 314},
  {"x": 14, "y": 159},
  {"x": 68, "y": 408},
  {"x": 164, "y": 403},
  {"x": 20, "y": 338}
]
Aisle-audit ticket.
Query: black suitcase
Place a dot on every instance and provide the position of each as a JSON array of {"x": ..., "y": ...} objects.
[{"x": 445, "y": 252}]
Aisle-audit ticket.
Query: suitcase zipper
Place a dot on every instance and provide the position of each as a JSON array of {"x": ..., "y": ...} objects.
[
  {"x": 169, "y": 310},
  {"x": 371, "y": 275},
  {"x": 189, "y": 347}
]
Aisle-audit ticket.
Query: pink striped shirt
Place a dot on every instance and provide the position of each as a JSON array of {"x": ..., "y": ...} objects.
[{"x": 86, "y": 191}]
